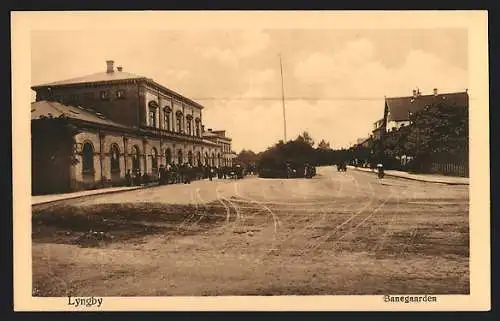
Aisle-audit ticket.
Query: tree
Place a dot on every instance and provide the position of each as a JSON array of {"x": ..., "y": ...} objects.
[
  {"x": 324, "y": 145},
  {"x": 440, "y": 129},
  {"x": 306, "y": 138},
  {"x": 246, "y": 157}
]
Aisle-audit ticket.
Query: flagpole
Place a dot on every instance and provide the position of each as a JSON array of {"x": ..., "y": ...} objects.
[{"x": 283, "y": 100}]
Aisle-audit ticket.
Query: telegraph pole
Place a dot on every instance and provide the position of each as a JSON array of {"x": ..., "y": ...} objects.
[{"x": 283, "y": 100}]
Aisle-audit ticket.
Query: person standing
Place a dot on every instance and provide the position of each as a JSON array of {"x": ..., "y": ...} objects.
[
  {"x": 162, "y": 174},
  {"x": 211, "y": 173},
  {"x": 168, "y": 173},
  {"x": 188, "y": 173},
  {"x": 128, "y": 178}
]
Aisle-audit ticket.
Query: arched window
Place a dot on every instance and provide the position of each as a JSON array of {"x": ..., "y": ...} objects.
[
  {"x": 168, "y": 156},
  {"x": 166, "y": 120},
  {"x": 179, "y": 157},
  {"x": 213, "y": 159},
  {"x": 136, "y": 156},
  {"x": 188, "y": 125},
  {"x": 178, "y": 121},
  {"x": 88, "y": 158},
  {"x": 115, "y": 158},
  {"x": 219, "y": 160},
  {"x": 206, "y": 159},
  {"x": 153, "y": 106},
  {"x": 197, "y": 125},
  {"x": 154, "y": 159},
  {"x": 190, "y": 158}
]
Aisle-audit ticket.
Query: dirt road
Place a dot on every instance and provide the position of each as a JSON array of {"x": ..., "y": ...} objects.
[{"x": 338, "y": 233}]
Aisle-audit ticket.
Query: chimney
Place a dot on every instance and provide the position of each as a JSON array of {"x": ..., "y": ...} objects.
[
  {"x": 435, "y": 91},
  {"x": 414, "y": 93},
  {"x": 119, "y": 68},
  {"x": 202, "y": 128},
  {"x": 110, "y": 67}
]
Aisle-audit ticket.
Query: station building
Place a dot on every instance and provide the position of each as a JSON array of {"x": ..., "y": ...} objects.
[{"x": 89, "y": 131}]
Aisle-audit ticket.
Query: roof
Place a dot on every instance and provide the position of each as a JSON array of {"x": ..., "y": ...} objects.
[
  {"x": 216, "y": 134},
  {"x": 210, "y": 134},
  {"x": 97, "y": 77},
  {"x": 209, "y": 142},
  {"x": 115, "y": 76},
  {"x": 54, "y": 109},
  {"x": 400, "y": 107}
]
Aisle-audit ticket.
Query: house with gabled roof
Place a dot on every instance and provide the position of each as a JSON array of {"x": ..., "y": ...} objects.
[{"x": 399, "y": 109}]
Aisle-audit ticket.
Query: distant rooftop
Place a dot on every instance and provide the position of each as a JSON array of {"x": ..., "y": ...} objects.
[
  {"x": 400, "y": 107},
  {"x": 216, "y": 133}
]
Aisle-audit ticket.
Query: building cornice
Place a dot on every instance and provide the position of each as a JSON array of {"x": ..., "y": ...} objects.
[{"x": 143, "y": 80}]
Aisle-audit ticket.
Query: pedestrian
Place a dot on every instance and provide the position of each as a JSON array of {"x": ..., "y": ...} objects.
[
  {"x": 137, "y": 177},
  {"x": 189, "y": 173},
  {"x": 211, "y": 173},
  {"x": 128, "y": 178},
  {"x": 162, "y": 174},
  {"x": 176, "y": 173},
  {"x": 380, "y": 170}
]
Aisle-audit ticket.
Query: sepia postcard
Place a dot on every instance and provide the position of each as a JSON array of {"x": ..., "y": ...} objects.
[{"x": 254, "y": 161}]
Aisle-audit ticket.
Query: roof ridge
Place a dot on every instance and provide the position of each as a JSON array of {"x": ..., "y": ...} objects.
[
  {"x": 69, "y": 81},
  {"x": 428, "y": 95}
]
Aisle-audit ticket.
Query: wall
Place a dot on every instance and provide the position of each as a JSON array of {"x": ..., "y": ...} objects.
[
  {"x": 123, "y": 111},
  {"x": 396, "y": 124},
  {"x": 102, "y": 142},
  {"x": 163, "y": 100},
  {"x": 51, "y": 155}
]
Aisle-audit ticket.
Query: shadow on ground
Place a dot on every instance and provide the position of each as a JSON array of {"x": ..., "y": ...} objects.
[{"x": 99, "y": 225}]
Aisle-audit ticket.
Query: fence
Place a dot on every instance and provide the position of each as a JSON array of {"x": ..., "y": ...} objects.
[
  {"x": 446, "y": 164},
  {"x": 452, "y": 168}
]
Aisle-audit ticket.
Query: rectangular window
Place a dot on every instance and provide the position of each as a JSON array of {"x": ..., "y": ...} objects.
[
  {"x": 120, "y": 94},
  {"x": 105, "y": 95},
  {"x": 74, "y": 98}
]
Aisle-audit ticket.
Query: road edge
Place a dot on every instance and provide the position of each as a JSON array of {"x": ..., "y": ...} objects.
[
  {"x": 410, "y": 178},
  {"x": 96, "y": 194}
]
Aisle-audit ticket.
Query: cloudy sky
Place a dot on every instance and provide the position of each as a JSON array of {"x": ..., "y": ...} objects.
[{"x": 335, "y": 80}]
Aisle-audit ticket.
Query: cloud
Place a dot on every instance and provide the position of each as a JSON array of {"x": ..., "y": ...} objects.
[
  {"x": 232, "y": 48},
  {"x": 355, "y": 81},
  {"x": 355, "y": 71},
  {"x": 225, "y": 56},
  {"x": 251, "y": 125}
]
